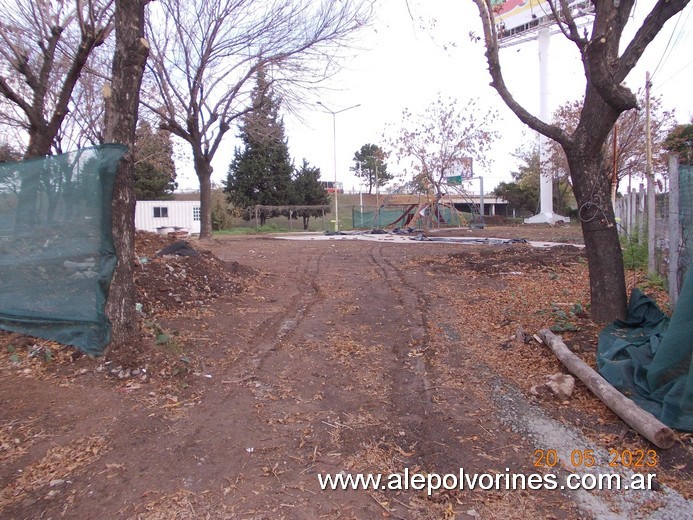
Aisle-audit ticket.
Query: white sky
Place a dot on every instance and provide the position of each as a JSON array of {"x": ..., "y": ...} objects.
[{"x": 406, "y": 62}]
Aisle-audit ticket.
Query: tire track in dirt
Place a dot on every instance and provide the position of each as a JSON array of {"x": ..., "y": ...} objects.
[
  {"x": 295, "y": 311},
  {"x": 410, "y": 298},
  {"x": 223, "y": 441},
  {"x": 452, "y": 432},
  {"x": 313, "y": 416},
  {"x": 414, "y": 378},
  {"x": 273, "y": 331}
]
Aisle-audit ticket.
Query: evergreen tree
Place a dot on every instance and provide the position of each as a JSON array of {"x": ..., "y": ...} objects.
[
  {"x": 260, "y": 172},
  {"x": 155, "y": 171},
  {"x": 309, "y": 191},
  {"x": 370, "y": 166}
]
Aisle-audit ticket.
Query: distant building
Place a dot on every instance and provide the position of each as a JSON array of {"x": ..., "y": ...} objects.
[{"x": 161, "y": 216}]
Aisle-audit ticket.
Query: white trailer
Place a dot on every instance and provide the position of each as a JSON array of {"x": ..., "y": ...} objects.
[{"x": 163, "y": 216}]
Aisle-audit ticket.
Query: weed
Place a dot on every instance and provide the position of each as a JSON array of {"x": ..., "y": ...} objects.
[
  {"x": 655, "y": 282},
  {"x": 172, "y": 345},
  {"x": 564, "y": 320},
  {"x": 44, "y": 352},
  {"x": 163, "y": 338},
  {"x": 634, "y": 254}
]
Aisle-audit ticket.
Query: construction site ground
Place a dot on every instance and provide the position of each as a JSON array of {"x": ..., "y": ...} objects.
[{"x": 266, "y": 363}]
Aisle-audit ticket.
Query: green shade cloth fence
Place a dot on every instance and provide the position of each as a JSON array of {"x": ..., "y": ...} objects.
[
  {"x": 407, "y": 215},
  {"x": 56, "y": 248},
  {"x": 648, "y": 357}
]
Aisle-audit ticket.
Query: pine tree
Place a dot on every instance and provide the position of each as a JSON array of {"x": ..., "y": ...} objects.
[
  {"x": 260, "y": 172},
  {"x": 309, "y": 191}
]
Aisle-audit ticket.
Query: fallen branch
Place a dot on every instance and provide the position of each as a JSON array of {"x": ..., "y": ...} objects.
[{"x": 640, "y": 420}]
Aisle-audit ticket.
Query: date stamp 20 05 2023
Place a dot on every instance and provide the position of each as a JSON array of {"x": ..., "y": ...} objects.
[{"x": 633, "y": 459}]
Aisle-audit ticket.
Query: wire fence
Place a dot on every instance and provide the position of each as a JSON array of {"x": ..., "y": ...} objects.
[{"x": 673, "y": 224}]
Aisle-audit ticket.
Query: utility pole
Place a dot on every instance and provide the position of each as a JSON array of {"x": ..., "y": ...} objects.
[{"x": 650, "y": 183}]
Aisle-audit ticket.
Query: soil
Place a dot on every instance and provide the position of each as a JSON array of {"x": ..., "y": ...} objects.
[{"x": 270, "y": 362}]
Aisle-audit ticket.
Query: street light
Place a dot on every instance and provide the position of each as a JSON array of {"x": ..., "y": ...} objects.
[{"x": 334, "y": 154}]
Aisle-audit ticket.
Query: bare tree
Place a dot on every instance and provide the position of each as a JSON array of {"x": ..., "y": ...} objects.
[
  {"x": 205, "y": 54},
  {"x": 84, "y": 124},
  {"x": 630, "y": 140},
  {"x": 122, "y": 103},
  {"x": 44, "y": 48},
  {"x": 606, "y": 97},
  {"x": 443, "y": 140}
]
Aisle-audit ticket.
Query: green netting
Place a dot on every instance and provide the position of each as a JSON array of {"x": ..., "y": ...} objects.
[
  {"x": 685, "y": 219},
  {"x": 56, "y": 250},
  {"x": 366, "y": 217},
  {"x": 648, "y": 357}
]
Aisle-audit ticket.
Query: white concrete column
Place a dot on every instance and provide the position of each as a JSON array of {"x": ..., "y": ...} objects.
[{"x": 546, "y": 213}]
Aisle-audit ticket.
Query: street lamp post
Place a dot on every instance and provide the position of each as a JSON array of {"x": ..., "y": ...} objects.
[{"x": 334, "y": 157}]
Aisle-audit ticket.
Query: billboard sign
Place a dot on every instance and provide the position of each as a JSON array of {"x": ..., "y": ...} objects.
[
  {"x": 462, "y": 170},
  {"x": 516, "y": 16}
]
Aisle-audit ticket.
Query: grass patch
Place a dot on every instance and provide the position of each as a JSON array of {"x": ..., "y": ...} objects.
[
  {"x": 655, "y": 282},
  {"x": 634, "y": 254},
  {"x": 267, "y": 228}
]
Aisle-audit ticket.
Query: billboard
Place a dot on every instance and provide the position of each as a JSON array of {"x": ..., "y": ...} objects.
[
  {"x": 462, "y": 170},
  {"x": 516, "y": 16}
]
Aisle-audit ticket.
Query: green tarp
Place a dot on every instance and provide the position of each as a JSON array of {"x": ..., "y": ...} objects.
[
  {"x": 648, "y": 357},
  {"x": 368, "y": 217},
  {"x": 56, "y": 249}
]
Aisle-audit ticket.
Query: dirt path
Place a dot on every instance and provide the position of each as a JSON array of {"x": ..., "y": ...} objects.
[{"x": 344, "y": 356}]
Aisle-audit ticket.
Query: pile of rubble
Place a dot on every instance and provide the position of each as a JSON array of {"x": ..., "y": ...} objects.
[{"x": 173, "y": 275}]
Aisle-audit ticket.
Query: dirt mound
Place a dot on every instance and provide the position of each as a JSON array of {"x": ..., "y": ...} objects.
[
  {"x": 517, "y": 257},
  {"x": 169, "y": 283}
]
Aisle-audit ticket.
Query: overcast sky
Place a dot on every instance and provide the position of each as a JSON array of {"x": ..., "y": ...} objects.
[{"x": 410, "y": 57}]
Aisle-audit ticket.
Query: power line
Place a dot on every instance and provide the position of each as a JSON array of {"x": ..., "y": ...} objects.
[
  {"x": 667, "y": 52},
  {"x": 675, "y": 74}
]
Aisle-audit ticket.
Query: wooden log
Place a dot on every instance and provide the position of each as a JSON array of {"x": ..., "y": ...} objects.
[{"x": 640, "y": 420}]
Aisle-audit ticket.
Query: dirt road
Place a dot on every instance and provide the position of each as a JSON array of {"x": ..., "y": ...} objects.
[{"x": 339, "y": 356}]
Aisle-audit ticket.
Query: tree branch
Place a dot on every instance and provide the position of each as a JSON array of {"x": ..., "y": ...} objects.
[
  {"x": 498, "y": 82},
  {"x": 653, "y": 23}
]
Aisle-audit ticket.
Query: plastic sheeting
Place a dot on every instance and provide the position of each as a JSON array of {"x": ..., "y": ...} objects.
[
  {"x": 648, "y": 357},
  {"x": 56, "y": 249}
]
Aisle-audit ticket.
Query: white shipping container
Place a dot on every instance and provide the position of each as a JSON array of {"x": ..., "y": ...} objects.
[{"x": 161, "y": 216}]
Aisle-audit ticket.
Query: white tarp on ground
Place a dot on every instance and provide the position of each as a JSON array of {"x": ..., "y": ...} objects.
[{"x": 415, "y": 239}]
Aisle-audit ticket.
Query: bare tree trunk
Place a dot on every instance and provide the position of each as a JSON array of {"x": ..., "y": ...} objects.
[
  {"x": 122, "y": 105},
  {"x": 608, "y": 295},
  {"x": 204, "y": 174}
]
